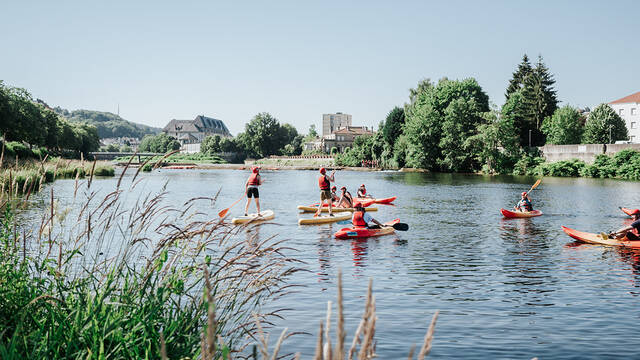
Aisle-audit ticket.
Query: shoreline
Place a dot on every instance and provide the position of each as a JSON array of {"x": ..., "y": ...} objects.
[{"x": 195, "y": 166}]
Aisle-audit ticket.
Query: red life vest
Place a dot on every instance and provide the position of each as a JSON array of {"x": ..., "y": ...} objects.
[
  {"x": 254, "y": 179},
  {"x": 358, "y": 218},
  {"x": 323, "y": 183},
  {"x": 363, "y": 191}
]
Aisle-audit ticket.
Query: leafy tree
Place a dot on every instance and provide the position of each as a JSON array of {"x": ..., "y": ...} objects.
[
  {"x": 439, "y": 119},
  {"x": 112, "y": 148},
  {"x": 393, "y": 125},
  {"x": 496, "y": 143},
  {"x": 161, "y": 143},
  {"x": 604, "y": 126},
  {"x": 228, "y": 145},
  {"x": 211, "y": 145},
  {"x": 312, "y": 132},
  {"x": 126, "y": 148},
  {"x": 564, "y": 127},
  {"x": 264, "y": 136},
  {"x": 514, "y": 109},
  {"x": 517, "y": 81}
]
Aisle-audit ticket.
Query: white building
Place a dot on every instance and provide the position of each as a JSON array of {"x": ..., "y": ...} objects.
[
  {"x": 629, "y": 110},
  {"x": 333, "y": 122}
]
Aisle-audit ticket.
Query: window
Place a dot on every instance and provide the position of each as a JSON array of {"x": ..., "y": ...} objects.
[
  {"x": 620, "y": 112},
  {"x": 632, "y": 139},
  {"x": 633, "y": 111},
  {"x": 633, "y": 125}
]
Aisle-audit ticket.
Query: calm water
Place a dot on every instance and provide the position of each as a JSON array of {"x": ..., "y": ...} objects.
[{"x": 505, "y": 288}]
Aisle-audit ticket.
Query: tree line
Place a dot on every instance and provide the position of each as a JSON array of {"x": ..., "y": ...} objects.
[
  {"x": 24, "y": 120},
  {"x": 450, "y": 126}
]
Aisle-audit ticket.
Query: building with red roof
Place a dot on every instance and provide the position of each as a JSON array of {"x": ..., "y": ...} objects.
[{"x": 628, "y": 108}]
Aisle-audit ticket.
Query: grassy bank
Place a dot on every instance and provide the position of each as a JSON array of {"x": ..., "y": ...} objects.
[{"x": 28, "y": 176}]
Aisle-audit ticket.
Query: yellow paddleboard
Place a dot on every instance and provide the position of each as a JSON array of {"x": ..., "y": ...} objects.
[{"x": 324, "y": 219}]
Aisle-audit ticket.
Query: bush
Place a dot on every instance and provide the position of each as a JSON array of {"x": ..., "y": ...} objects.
[
  {"x": 527, "y": 164},
  {"x": 565, "y": 168}
]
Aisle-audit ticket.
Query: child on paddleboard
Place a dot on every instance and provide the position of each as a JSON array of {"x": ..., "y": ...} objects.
[{"x": 251, "y": 188}]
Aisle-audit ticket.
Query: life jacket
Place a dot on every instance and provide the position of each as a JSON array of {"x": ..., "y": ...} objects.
[
  {"x": 526, "y": 204},
  {"x": 362, "y": 191},
  {"x": 254, "y": 179},
  {"x": 358, "y": 219},
  {"x": 324, "y": 183}
]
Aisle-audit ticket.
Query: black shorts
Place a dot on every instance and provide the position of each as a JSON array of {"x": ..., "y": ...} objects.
[{"x": 253, "y": 191}]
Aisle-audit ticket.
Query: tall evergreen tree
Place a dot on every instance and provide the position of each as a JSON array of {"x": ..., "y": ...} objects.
[{"x": 517, "y": 82}]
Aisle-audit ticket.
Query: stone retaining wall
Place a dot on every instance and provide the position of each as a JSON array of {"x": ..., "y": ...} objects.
[{"x": 584, "y": 152}]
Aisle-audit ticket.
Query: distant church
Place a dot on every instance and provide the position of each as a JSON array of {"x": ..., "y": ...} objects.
[{"x": 194, "y": 131}]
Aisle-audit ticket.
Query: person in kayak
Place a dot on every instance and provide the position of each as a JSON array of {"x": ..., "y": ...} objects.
[
  {"x": 525, "y": 203},
  {"x": 346, "y": 200},
  {"x": 361, "y": 218},
  {"x": 251, "y": 189},
  {"x": 631, "y": 231},
  {"x": 325, "y": 190},
  {"x": 362, "y": 192}
]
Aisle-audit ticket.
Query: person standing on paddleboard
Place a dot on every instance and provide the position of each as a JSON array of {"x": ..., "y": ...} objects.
[
  {"x": 251, "y": 188},
  {"x": 361, "y": 218},
  {"x": 631, "y": 231},
  {"x": 346, "y": 200},
  {"x": 325, "y": 190},
  {"x": 525, "y": 203}
]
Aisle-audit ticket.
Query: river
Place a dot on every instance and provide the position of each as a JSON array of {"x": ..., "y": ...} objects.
[{"x": 505, "y": 288}]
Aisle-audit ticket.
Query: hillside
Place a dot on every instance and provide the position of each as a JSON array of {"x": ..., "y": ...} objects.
[{"x": 108, "y": 124}]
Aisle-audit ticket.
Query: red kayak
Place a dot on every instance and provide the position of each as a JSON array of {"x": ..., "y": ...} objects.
[
  {"x": 363, "y": 232},
  {"x": 628, "y": 211},
  {"x": 520, "y": 214},
  {"x": 388, "y": 200}
]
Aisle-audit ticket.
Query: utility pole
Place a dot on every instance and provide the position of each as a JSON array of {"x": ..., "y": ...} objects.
[{"x": 529, "y": 137}]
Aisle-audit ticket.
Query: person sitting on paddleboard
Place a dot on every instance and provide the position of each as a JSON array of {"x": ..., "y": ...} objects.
[
  {"x": 346, "y": 200},
  {"x": 525, "y": 203},
  {"x": 325, "y": 190},
  {"x": 334, "y": 196},
  {"x": 362, "y": 192},
  {"x": 361, "y": 218},
  {"x": 251, "y": 188},
  {"x": 631, "y": 231}
]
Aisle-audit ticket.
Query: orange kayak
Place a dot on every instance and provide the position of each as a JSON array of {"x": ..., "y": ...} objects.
[
  {"x": 520, "y": 214},
  {"x": 363, "y": 232},
  {"x": 598, "y": 239}
]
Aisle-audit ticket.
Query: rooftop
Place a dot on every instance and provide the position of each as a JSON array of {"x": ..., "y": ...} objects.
[{"x": 633, "y": 98}]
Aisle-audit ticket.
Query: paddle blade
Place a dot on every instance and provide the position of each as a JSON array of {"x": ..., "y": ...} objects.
[
  {"x": 223, "y": 212},
  {"x": 536, "y": 184},
  {"x": 401, "y": 226}
]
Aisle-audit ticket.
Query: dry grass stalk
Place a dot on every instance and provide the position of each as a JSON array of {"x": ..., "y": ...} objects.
[{"x": 428, "y": 339}]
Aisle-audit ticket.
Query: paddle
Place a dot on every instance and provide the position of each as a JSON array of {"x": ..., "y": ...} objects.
[{"x": 224, "y": 212}]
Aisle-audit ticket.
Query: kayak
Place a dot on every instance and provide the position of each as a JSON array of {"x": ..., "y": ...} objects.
[
  {"x": 326, "y": 209},
  {"x": 325, "y": 219},
  {"x": 520, "y": 214},
  {"x": 627, "y": 210},
  {"x": 388, "y": 200},
  {"x": 591, "y": 238},
  {"x": 263, "y": 216},
  {"x": 362, "y": 232}
]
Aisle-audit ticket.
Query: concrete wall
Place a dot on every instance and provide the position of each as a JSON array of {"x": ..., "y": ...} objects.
[{"x": 584, "y": 152}]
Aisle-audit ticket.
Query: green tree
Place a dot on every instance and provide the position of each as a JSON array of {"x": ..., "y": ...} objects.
[
  {"x": 517, "y": 80},
  {"x": 540, "y": 99},
  {"x": 211, "y": 145},
  {"x": 393, "y": 125},
  {"x": 228, "y": 145},
  {"x": 161, "y": 143},
  {"x": 439, "y": 119},
  {"x": 312, "y": 132},
  {"x": 604, "y": 126},
  {"x": 495, "y": 144},
  {"x": 125, "y": 148},
  {"x": 263, "y": 136},
  {"x": 564, "y": 127},
  {"x": 112, "y": 148}
]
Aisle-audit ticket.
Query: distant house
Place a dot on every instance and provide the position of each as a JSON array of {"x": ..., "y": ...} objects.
[
  {"x": 194, "y": 131},
  {"x": 343, "y": 138},
  {"x": 628, "y": 108}
]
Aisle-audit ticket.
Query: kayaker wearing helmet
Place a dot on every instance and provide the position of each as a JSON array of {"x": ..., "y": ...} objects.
[
  {"x": 362, "y": 192},
  {"x": 325, "y": 190},
  {"x": 631, "y": 231},
  {"x": 525, "y": 203},
  {"x": 362, "y": 219},
  {"x": 346, "y": 200},
  {"x": 251, "y": 188}
]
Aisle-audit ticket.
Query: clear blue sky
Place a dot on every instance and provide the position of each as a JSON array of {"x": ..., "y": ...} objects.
[{"x": 299, "y": 59}]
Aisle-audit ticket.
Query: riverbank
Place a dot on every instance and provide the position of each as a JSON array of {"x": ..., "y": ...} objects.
[{"x": 28, "y": 176}]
